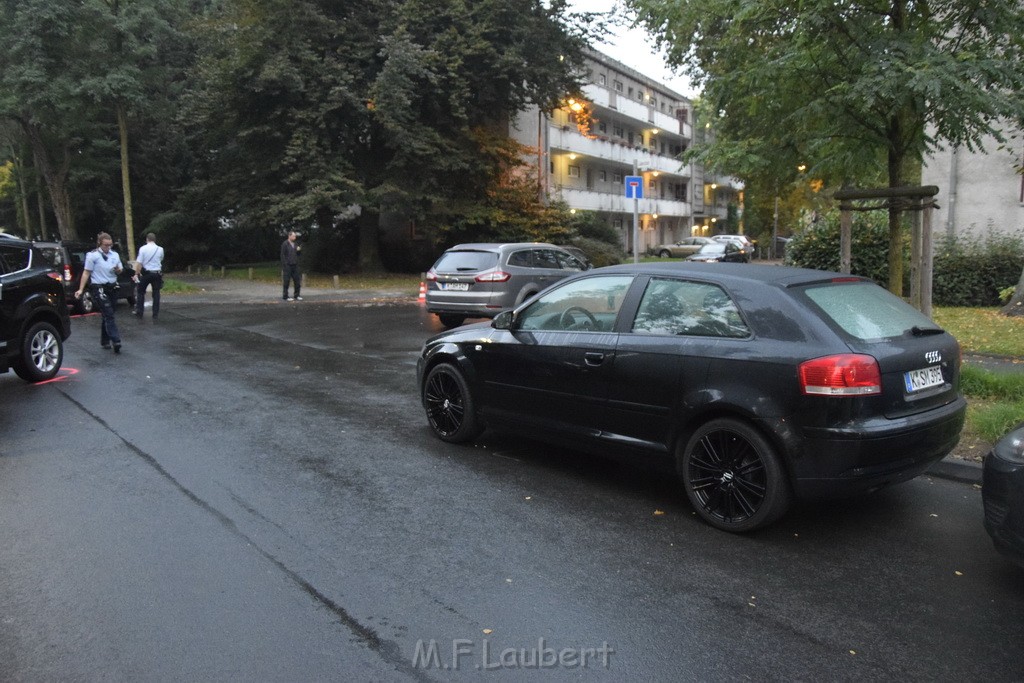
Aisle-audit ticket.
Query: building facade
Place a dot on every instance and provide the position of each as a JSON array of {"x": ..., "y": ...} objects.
[
  {"x": 979, "y": 192},
  {"x": 628, "y": 124}
]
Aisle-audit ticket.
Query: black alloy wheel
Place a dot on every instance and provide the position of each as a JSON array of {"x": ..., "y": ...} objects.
[
  {"x": 449, "y": 405},
  {"x": 449, "y": 320},
  {"x": 85, "y": 304},
  {"x": 733, "y": 477}
]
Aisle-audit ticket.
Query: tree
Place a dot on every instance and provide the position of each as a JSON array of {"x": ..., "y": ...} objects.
[
  {"x": 308, "y": 108},
  {"x": 845, "y": 86}
]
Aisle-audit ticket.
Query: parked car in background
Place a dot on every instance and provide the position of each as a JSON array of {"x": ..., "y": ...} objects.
[
  {"x": 68, "y": 257},
  {"x": 721, "y": 251},
  {"x": 578, "y": 253},
  {"x": 684, "y": 247},
  {"x": 749, "y": 245},
  {"x": 760, "y": 383},
  {"x": 481, "y": 280},
  {"x": 34, "y": 319},
  {"x": 1002, "y": 492}
]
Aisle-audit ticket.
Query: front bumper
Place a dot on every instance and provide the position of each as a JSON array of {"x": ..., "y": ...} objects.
[{"x": 1002, "y": 492}]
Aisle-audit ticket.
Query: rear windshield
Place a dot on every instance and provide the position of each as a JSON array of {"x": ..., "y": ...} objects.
[
  {"x": 866, "y": 311},
  {"x": 465, "y": 261}
]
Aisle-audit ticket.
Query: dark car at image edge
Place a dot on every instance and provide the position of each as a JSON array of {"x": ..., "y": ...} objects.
[
  {"x": 1002, "y": 493},
  {"x": 761, "y": 384},
  {"x": 34, "y": 321}
]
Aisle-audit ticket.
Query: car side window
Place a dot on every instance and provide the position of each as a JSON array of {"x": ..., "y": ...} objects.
[
  {"x": 523, "y": 258},
  {"x": 13, "y": 259},
  {"x": 568, "y": 262},
  {"x": 681, "y": 307},
  {"x": 590, "y": 305},
  {"x": 545, "y": 258}
]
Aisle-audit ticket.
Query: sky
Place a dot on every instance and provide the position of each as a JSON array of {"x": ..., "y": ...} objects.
[{"x": 634, "y": 48}]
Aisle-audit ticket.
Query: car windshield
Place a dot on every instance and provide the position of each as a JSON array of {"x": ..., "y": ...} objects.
[
  {"x": 866, "y": 311},
  {"x": 713, "y": 248},
  {"x": 466, "y": 261}
]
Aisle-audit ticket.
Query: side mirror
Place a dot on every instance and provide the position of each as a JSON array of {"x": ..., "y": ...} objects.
[{"x": 503, "y": 321}]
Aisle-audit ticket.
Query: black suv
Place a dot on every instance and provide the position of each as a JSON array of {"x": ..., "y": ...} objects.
[
  {"x": 69, "y": 260},
  {"x": 34, "y": 319}
]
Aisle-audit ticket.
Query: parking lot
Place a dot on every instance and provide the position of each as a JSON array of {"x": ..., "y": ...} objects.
[{"x": 250, "y": 491}]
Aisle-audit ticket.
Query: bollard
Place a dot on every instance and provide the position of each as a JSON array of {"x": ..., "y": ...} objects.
[
  {"x": 223, "y": 271},
  {"x": 336, "y": 284},
  {"x": 250, "y": 273}
]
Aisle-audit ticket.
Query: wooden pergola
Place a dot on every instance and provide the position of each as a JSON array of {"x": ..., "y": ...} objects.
[{"x": 921, "y": 201}]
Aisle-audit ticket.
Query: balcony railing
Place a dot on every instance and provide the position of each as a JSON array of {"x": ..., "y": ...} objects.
[
  {"x": 590, "y": 200},
  {"x": 647, "y": 116},
  {"x": 569, "y": 139}
]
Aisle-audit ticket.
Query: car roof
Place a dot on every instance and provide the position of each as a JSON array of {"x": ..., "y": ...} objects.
[
  {"x": 729, "y": 273},
  {"x": 497, "y": 246}
]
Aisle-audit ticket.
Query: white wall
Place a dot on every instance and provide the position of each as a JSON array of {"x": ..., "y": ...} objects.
[{"x": 978, "y": 192}]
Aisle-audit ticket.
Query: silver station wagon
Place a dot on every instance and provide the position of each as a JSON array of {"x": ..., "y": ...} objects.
[{"x": 480, "y": 280}]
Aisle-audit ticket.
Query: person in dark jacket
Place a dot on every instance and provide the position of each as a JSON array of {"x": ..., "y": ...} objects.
[{"x": 290, "y": 266}]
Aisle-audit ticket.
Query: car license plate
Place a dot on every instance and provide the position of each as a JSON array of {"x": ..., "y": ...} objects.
[
  {"x": 916, "y": 380},
  {"x": 455, "y": 286}
]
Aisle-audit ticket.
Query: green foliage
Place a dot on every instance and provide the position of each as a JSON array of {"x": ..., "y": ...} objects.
[
  {"x": 979, "y": 383},
  {"x": 818, "y": 246},
  {"x": 973, "y": 271},
  {"x": 600, "y": 252},
  {"x": 1006, "y": 294}
]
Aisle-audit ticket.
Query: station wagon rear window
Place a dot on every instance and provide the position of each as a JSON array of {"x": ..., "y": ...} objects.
[
  {"x": 466, "y": 261},
  {"x": 866, "y": 311}
]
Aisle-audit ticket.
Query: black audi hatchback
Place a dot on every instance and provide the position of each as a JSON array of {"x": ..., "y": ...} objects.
[{"x": 761, "y": 383}]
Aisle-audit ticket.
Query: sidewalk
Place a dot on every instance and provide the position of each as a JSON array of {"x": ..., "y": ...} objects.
[{"x": 226, "y": 290}]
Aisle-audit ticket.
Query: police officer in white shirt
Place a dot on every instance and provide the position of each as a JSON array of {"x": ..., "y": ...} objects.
[
  {"x": 102, "y": 267},
  {"x": 149, "y": 270}
]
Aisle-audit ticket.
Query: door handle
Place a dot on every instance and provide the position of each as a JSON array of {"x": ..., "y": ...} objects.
[{"x": 593, "y": 358}]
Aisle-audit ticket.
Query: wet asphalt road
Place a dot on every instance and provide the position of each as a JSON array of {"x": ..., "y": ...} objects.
[{"x": 250, "y": 492}]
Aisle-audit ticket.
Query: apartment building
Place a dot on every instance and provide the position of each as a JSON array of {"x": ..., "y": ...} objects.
[{"x": 626, "y": 121}]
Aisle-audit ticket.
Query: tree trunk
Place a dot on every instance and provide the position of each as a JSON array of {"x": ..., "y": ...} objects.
[
  {"x": 895, "y": 162},
  {"x": 369, "y": 251},
  {"x": 1016, "y": 305},
  {"x": 56, "y": 177},
  {"x": 126, "y": 186},
  {"x": 22, "y": 176}
]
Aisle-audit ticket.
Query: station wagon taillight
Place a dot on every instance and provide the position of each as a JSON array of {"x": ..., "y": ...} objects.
[
  {"x": 847, "y": 374},
  {"x": 493, "y": 276},
  {"x": 67, "y": 272},
  {"x": 431, "y": 275}
]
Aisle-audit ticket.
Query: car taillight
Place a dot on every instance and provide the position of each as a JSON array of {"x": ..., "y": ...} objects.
[
  {"x": 67, "y": 273},
  {"x": 430, "y": 276},
  {"x": 493, "y": 276},
  {"x": 847, "y": 374}
]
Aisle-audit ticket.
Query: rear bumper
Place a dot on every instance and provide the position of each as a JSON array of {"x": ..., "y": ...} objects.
[
  {"x": 828, "y": 462},
  {"x": 1002, "y": 491}
]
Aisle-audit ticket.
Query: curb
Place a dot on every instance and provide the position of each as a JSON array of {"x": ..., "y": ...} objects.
[{"x": 965, "y": 471}]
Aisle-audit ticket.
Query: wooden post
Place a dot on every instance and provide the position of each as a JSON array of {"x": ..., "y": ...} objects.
[
  {"x": 250, "y": 272},
  {"x": 223, "y": 271},
  {"x": 915, "y": 256},
  {"x": 336, "y": 283},
  {"x": 927, "y": 257},
  {"x": 845, "y": 238}
]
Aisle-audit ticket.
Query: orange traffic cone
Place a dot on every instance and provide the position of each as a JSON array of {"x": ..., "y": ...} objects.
[{"x": 423, "y": 292}]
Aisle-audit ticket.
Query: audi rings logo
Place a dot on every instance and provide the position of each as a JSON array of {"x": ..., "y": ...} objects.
[{"x": 933, "y": 356}]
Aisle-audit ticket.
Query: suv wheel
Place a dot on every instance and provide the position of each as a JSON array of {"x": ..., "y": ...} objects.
[
  {"x": 41, "y": 353},
  {"x": 85, "y": 304},
  {"x": 451, "y": 320}
]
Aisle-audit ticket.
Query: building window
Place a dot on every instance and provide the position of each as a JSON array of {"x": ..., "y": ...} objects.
[
  {"x": 618, "y": 131},
  {"x": 654, "y": 103},
  {"x": 602, "y": 79},
  {"x": 618, "y": 86},
  {"x": 552, "y": 167},
  {"x": 603, "y": 127},
  {"x": 631, "y": 92},
  {"x": 617, "y": 224},
  {"x": 574, "y": 171},
  {"x": 602, "y": 176},
  {"x": 617, "y": 178}
]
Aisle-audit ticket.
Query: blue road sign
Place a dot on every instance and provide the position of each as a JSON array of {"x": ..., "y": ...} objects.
[{"x": 634, "y": 187}]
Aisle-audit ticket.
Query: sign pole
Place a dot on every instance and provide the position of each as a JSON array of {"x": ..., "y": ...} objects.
[{"x": 636, "y": 219}]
